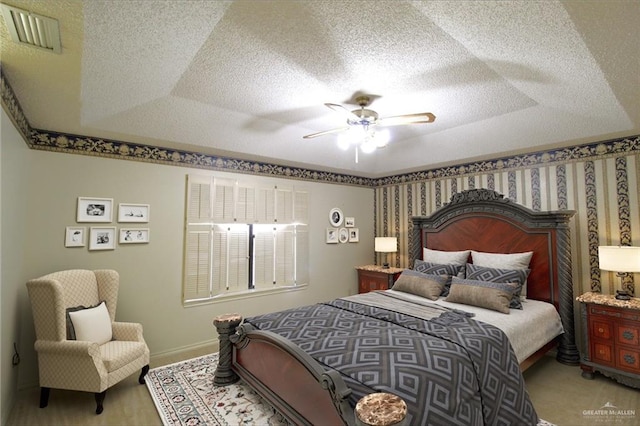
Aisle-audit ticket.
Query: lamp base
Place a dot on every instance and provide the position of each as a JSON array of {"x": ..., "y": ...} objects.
[{"x": 622, "y": 295}]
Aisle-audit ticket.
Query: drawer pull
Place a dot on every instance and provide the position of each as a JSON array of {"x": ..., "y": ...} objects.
[
  {"x": 629, "y": 359},
  {"x": 627, "y": 335},
  {"x": 601, "y": 330}
]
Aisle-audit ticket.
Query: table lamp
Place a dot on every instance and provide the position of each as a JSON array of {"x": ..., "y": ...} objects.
[
  {"x": 386, "y": 245},
  {"x": 622, "y": 260}
]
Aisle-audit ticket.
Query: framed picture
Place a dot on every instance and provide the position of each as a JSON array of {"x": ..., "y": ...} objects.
[
  {"x": 332, "y": 236},
  {"x": 349, "y": 222},
  {"x": 133, "y": 212},
  {"x": 134, "y": 235},
  {"x": 94, "y": 209},
  {"x": 354, "y": 235},
  {"x": 75, "y": 236},
  {"x": 343, "y": 235},
  {"x": 102, "y": 238},
  {"x": 335, "y": 217}
]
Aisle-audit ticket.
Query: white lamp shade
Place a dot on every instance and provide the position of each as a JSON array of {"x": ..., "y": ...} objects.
[
  {"x": 386, "y": 244},
  {"x": 619, "y": 258}
]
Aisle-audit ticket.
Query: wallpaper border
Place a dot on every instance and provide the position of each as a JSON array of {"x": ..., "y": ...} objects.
[{"x": 86, "y": 145}]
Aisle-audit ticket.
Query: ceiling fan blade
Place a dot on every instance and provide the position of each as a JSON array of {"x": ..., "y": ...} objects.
[
  {"x": 326, "y": 132},
  {"x": 398, "y": 120},
  {"x": 344, "y": 111}
]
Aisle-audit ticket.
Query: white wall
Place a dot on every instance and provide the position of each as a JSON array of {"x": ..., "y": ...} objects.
[{"x": 150, "y": 274}]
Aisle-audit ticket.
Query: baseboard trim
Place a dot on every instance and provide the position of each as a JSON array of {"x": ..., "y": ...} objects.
[{"x": 213, "y": 344}]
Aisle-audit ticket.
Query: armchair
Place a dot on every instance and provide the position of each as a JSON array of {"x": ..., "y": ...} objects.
[{"x": 83, "y": 365}]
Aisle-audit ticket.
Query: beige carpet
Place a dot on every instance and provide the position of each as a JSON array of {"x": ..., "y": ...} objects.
[{"x": 558, "y": 392}]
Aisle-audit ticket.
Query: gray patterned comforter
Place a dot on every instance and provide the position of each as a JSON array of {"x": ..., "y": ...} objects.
[{"x": 449, "y": 368}]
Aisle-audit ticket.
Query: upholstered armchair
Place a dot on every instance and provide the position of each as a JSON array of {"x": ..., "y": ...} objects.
[{"x": 79, "y": 344}]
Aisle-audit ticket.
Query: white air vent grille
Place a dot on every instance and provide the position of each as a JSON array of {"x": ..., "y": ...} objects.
[{"x": 31, "y": 29}]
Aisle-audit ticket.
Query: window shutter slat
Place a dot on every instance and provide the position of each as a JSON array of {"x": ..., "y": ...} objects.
[{"x": 302, "y": 254}]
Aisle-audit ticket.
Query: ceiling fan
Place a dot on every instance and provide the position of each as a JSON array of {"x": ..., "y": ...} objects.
[{"x": 367, "y": 119}]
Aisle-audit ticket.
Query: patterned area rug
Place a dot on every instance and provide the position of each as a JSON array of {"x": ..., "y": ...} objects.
[{"x": 184, "y": 394}]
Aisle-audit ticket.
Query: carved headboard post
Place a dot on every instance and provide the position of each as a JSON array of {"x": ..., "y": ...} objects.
[{"x": 483, "y": 220}]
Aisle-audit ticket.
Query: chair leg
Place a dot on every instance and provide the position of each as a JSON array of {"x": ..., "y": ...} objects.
[
  {"x": 143, "y": 373},
  {"x": 99, "y": 400},
  {"x": 44, "y": 397}
]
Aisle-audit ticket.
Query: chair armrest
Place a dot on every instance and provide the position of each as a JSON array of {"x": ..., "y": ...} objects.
[
  {"x": 76, "y": 348},
  {"x": 127, "y": 331}
]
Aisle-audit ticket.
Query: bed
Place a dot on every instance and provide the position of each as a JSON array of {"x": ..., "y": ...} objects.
[{"x": 314, "y": 363}]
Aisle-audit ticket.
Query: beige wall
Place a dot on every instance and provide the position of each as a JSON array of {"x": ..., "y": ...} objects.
[
  {"x": 14, "y": 172},
  {"x": 150, "y": 289}
]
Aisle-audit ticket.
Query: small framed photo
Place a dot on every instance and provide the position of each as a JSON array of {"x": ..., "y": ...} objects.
[
  {"x": 354, "y": 235},
  {"x": 335, "y": 217},
  {"x": 102, "y": 238},
  {"x": 134, "y": 235},
  {"x": 94, "y": 209},
  {"x": 133, "y": 212},
  {"x": 343, "y": 235},
  {"x": 332, "y": 236},
  {"x": 75, "y": 236},
  {"x": 349, "y": 222}
]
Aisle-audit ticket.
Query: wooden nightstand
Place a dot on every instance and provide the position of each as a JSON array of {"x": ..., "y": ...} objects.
[
  {"x": 374, "y": 277},
  {"x": 612, "y": 337}
]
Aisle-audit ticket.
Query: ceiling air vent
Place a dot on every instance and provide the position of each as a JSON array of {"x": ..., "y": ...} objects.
[{"x": 31, "y": 29}]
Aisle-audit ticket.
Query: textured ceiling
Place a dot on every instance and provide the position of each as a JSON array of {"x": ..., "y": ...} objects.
[{"x": 249, "y": 78}]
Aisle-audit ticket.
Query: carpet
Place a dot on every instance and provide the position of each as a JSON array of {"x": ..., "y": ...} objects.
[{"x": 184, "y": 394}]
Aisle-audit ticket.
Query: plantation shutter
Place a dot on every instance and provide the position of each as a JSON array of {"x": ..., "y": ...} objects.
[
  {"x": 238, "y": 258},
  {"x": 285, "y": 255},
  {"x": 223, "y": 200},
  {"x": 245, "y": 204},
  {"x": 230, "y": 258},
  {"x": 197, "y": 269},
  {"x": 301, "y": 207},
  {"x": 219, "y": 258},
  {"x": 265, "y": 205},
  {"x": 302, "y": 254},
  {"x": 263, "y": 257},
  {"x": 284, "y": 205},
  {"x": 199, "y": 207}
]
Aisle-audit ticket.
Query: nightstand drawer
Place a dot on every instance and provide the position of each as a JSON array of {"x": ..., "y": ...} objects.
[
  {"x": 601, "y": 329},
  {"x": 602, "y": 353},
  {"x": 628, "y": 334},
  {"x": 629, "y": 359}
]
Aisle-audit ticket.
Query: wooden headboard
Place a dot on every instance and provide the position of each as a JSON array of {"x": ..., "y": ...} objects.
[{"x": 483, "y": 220}]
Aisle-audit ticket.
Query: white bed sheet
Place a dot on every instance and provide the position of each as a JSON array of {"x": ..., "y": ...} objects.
[{"x": 528, "y": 329}]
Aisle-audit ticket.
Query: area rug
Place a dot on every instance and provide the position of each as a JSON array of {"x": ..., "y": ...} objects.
[{"x": 184, "y": 394}]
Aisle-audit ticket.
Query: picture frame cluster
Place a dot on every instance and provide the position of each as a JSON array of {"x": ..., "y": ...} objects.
[
  {"x": 101, "y": 210},
  {"x": 339, "y": 233}
]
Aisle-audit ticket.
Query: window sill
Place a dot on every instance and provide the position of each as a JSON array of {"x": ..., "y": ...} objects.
[{"x": 243, "y": 295}]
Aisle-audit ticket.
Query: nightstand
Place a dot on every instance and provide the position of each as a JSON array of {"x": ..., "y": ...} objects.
[
  {"x": 374, "y": 277},
  {"x": 612, "y": 338}
]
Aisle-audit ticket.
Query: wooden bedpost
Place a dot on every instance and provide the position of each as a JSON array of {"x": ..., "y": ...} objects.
[{"x": 226, "y": 325}]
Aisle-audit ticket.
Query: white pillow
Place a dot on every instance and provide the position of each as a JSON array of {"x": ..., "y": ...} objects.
[
  {"x": 445, "y": 257},
  {"x": 92, "y": 324},
  {"x": 502, "y": 261}
]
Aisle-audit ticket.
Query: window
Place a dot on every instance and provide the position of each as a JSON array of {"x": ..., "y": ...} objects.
[{"x": 241, "y": 239}]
